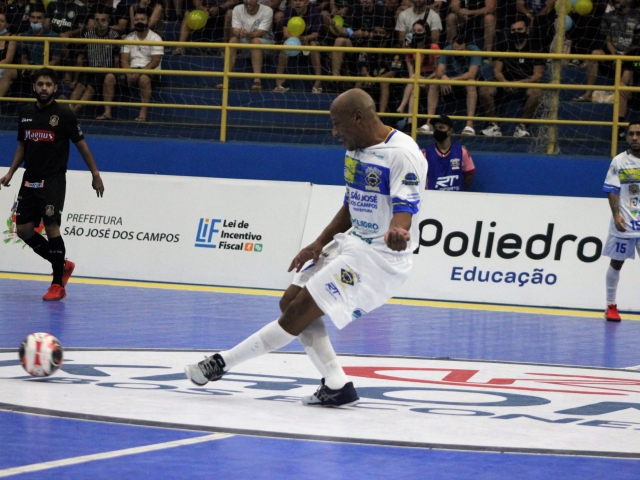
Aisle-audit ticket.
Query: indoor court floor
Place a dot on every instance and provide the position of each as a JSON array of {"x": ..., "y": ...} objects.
[{"x": 448, "y": 391}]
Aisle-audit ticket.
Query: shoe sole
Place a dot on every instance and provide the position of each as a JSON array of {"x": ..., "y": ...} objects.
[
  {"x": 186, "y": 372},
  {"x": 612, "y": 319},
  {"x": 330, "y": 406},
  {"x": 54, "y": 299}
]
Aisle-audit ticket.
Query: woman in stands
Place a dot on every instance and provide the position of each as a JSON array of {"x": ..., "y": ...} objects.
[{"x": 421, "y": 33}]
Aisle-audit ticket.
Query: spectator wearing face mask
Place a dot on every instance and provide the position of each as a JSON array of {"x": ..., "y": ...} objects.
[
  {"x": 450, "y": 165},
  {"x": 512, "y": 70},
  {"x": 148, "y": 57},
  {"x": 421, "y": 35},
  {"x": 33, "y": 52},
  {"x": 98, "y": 55}
]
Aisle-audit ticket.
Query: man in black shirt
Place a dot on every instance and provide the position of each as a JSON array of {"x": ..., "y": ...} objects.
[
  {"x": 44, "y": 131},
  {"x": 514, "y": 70}
]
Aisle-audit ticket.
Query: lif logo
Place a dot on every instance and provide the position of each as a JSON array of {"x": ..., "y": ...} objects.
[{"x": 206, "y": 229}]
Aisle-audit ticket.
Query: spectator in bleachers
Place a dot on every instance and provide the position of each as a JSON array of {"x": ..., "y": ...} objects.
[
  {"x": 215, "y": 9},
  {"x": 118, "y": 15},
  {"x": 67, "y": 19},
  {"x": 32, "y": 53},
  {"x": 542, "y": 16},
  {"x": 155, "y": 11},
  {"x": 618, "y": 27},
  {"x": 277, "y": 17},
  {"x": 148, "y": 57},
  {"x": 251, "y": 24},
  {"x": 18, "y": 16},
  {"x": 586, "y": 35},
  {"x": 313, "y": 23},
  {"x": 630, "y": 78},
  {"x": 468, "y": 15},
  {"x": 98, "y": 55},
  {"x": 379, "y": 65},
  {"x": 514, "y": 70},
  {"x": 406, "y": 19},
  {"x": 420, "y": 36},
  {"x": 455, "y": 68},
  {"x": 450, "y": 164},
  {"x": 7, "y": 55},
  {"x": 356, "y": 32}
]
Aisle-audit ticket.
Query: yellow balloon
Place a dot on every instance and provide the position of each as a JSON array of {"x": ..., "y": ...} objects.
[
  {"x": 296, "y": 26},
  {"x": 567, "y": 6},
  {"x": 46, "y": 3},
  {"x": 197, "y": 19},
  {"x": 339, "y": 21},
  {"x": 584, "y": 7}
]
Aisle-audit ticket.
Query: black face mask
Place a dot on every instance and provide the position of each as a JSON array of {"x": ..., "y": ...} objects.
[
  {"x": 419, "y": 38},
  {"x": 439, "y": 135},
  {"x": 517, "y": 37},
  {"x": 140, "y": 27}
]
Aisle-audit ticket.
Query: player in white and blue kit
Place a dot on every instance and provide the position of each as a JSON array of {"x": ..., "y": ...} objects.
[
  {"x": 623, "y": 188},
  {"x": 357, "y": 263}
]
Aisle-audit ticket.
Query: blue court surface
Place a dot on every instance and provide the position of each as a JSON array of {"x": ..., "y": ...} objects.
[{"x": 447, "y": 391}]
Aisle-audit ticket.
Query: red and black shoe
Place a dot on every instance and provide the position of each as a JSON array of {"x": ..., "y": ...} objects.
[
  {"x": 611, "y": 313},
  {"x": 69, "y": 266},
  {"x": 55, "y": 293}
]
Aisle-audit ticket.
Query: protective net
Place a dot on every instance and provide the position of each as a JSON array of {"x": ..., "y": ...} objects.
[{"x": 186, "y": 97}]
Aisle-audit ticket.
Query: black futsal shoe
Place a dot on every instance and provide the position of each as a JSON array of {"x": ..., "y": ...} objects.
[
  {"x": 325, "y": 397},
  {"x": 208, "y": 370}
]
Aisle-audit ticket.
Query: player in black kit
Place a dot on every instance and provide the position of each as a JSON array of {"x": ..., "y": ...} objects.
[{"x": 44, "y": 131}]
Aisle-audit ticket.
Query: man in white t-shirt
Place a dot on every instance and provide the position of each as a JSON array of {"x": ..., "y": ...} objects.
[
  {"x": 358, "y": 262},
  {"x": 251, "y": 23},
  {"x": 406, "y": 19},
  {"x": 623, "y": 188},
  {"x": 141, "y": 56}
]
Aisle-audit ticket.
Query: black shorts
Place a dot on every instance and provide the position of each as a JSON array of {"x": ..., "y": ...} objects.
[
  {"x": 502, "y": 96},
  {"x": 458, "y": 92},
  {"x": 95, "y": 80},
  {"x": 41, "y": 199}
]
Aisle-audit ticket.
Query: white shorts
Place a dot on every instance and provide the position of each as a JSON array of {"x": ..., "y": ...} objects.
[
  {"x": 264, "y": 41},
  {"x": 351, "y": 278},
  {"x": 621, "y": 249}
]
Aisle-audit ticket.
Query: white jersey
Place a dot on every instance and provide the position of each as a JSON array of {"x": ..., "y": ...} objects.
[
  {"x": 381, "y": 180},
  {"x": 623, "y": 179},
  {"x": 407, "y": 18},
  {"x": 262, "y": 20}
]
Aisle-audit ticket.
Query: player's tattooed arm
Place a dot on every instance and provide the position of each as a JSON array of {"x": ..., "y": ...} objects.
[{"x": 618, "y": 220}]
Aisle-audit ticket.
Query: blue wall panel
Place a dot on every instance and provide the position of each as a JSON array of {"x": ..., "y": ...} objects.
[{"x": 528, "y": 174}]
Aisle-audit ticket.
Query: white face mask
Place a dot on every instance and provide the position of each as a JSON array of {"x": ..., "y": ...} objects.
[
  {"x": 3, "y": 31},
  {"x": 36, "y": 27}
]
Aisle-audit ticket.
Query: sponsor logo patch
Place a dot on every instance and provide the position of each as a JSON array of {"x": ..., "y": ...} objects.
[{"x": 54, "y": 120}]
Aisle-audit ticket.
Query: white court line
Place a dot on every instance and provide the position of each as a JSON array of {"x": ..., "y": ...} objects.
[
  {"x": 637, "y": 367},
  {"x": 113, "y": 454}
]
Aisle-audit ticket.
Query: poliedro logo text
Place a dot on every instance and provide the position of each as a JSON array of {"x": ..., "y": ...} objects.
[
  {"x": 507, "y": 245},
  {"x": 404, "y": 401}
]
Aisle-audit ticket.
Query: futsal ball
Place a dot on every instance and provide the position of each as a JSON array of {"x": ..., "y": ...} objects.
[{"x": 41, "y": 354}]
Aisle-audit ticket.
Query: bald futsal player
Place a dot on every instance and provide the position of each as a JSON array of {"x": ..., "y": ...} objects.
[{"x": 357, "y": 263}]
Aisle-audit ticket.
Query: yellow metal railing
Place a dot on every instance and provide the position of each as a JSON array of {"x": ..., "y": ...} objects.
[{"x": 225, "y": 75}]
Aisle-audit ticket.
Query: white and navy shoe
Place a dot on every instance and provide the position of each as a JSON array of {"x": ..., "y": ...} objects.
[
  {"x": 208, "y": 370},
  {"x": 325, "y": 397}
]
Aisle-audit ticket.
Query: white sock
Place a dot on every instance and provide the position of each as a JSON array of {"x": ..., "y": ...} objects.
[
  {"x": 319, "y": 349},
  {"x": 613, "y": 276},
  {"x": 269, "y": 338}
]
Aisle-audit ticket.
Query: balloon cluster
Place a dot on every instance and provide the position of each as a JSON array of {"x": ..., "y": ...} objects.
[
  {"x": 296, "y": 27},
  {"x": 582, "y": 7}
]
